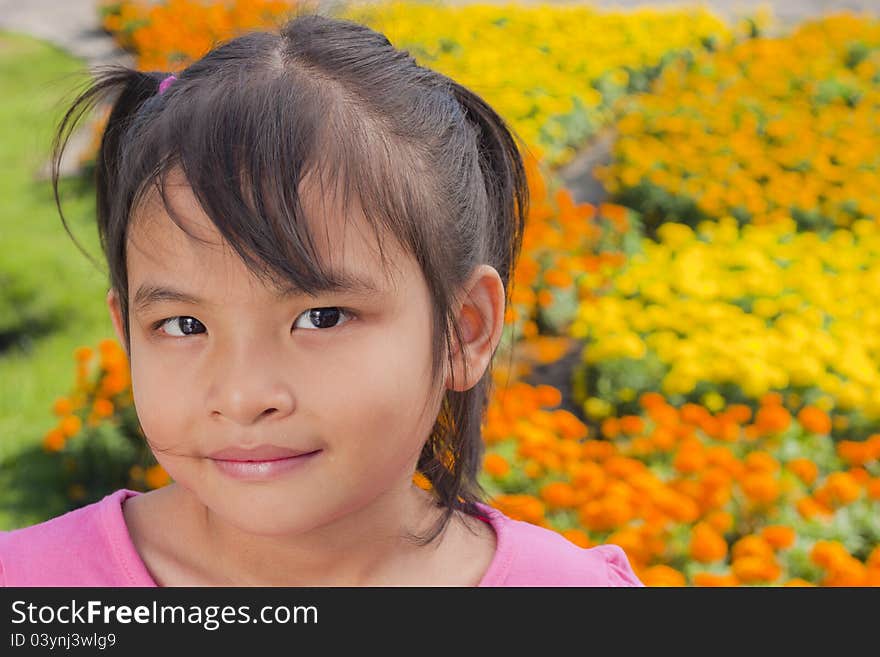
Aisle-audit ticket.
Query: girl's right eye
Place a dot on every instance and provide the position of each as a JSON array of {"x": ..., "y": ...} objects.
[{"x": 186, "y": 326}]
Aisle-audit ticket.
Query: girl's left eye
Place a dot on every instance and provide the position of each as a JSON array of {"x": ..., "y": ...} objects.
[
  {"x": 320, "y": 318},
  {"x": 185, "y": 325}
]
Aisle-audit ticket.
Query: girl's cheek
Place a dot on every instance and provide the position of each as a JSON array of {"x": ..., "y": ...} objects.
[{"x": 161, "y": 408}]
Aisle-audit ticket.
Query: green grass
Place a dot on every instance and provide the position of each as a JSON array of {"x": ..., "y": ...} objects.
[{"x": 37, "y": 80}]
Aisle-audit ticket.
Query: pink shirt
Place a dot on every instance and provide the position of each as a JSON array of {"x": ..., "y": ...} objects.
[{"x": 91, "y": 546}]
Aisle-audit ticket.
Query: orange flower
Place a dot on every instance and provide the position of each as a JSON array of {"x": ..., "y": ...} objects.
[
  {"x": 663, "y": 438},
  {"x": 558, "y": 495},
  {"x": 109, "y": 346},
  {"x": 773, "y": 419},
  {"x": 520, "y": 507},
  {"x": 706, "y": 544},
  {"x": 558, "y": 278},
  {"x": 617, "y": 510},
  {"x": 548, "y": 396},
  {"x": 814, "y": 420},
  {"x": 83, "y": 354},
  {"x": 810, "y": 508},
  {"x": 830, "y": 555},
  {"x": 54, "y": 440},
  {"x": 873, "y": 488},
  {"x": 843, "y": 487},
  {"x": 693, "y": 414},
  {"x": 804, "y": 469},
  {"x": 113, "y": 359},
  {"x": 114, "y": 383},
  {"x": 761, "y": 462},
  {"x": 606, "y": 513},
  {"x": 713, "y": 579},
  {"x": 610, "y": 428},
  {"x": 689, "y": 459},
  {"x": 588, "y": 478},
  {"x": 760, "y": 487},
  {"x": 674, "y": 504},
  {"x": 797, "y": 581},
  {"x": 420, "y": 480},
  {"x": 597, "y": 450},
  {"x": 632, "y": 425},
  {"x": 778, "y": 536},
  {"x": 156, "y": 477},
  {"x": 623, "y": 467},
  {"x": 663, "y": 414},
  {"x": 873, "y": 442},
  {"x": 738, "y": 413},
  {"x": 752, "y": 545},
  {"x": 545, "y": 298},
  {"x": 496, "y": 465},
  {"x": 532, "y": 469},
  {"x": 771, "y": 399},
  {"x": 578, "y": 536},
  {"x": 650, "y": 399},
  {"x": 855, "y": 452},
  {"x": 103, "y": 407},
  {"x": 751, "y": 569},
  {"x": 614, "y": 213},
  {"x": 849, "y": 571},
  {"x": 716, "y": 477},
  {"x": 721, "y": 521},
  {"x": 551, "y": 461},
  {"x": 569, "y": 426},
  {"x": 71, "y": 425},
  {"x": 62, "y": 406},
  {"x": 662, "y": 575}
]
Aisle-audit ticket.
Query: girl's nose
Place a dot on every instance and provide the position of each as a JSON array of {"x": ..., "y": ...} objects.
[
  {"x": 246, "y": 407},
  {"x": 247, "y": 395},
  {"x": 244, "y": 402}
]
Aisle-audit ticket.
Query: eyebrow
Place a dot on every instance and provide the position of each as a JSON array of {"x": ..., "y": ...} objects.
[{"x": 149, "y": 294}]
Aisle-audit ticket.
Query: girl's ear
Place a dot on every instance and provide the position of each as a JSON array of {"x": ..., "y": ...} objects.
[
  {"x": 116, "y": 315},
  {"x": 481, "y": 319}
]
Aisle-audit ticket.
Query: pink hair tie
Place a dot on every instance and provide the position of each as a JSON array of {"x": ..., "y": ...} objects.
[{"x": 166, "y": 83}]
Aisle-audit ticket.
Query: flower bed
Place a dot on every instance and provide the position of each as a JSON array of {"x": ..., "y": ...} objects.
[
  {"x": 571, "y": 62},
  {"x": 768, "y": 129},
  {"x": 729, "y": 314},
  {"x": 694, "y": 497},
  {"x": 553, "y": 72}
]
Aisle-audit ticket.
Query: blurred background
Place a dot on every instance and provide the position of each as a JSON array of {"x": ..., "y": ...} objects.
[{"x": 690, "y": 361}]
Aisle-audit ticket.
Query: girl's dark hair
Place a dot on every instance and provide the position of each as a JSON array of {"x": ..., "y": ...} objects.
[{"x": 427, "y": 161}]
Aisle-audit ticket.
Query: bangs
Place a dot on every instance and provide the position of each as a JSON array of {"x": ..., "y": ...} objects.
[{"x": 271, "y": 161}]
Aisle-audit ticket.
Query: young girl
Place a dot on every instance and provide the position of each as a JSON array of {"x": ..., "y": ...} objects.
[{"x": 309, "y": 239}]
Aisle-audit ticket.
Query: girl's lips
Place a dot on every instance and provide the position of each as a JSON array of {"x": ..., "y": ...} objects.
[
  {"x": 263, "y": 469},
  {"x": 258, "y": 453}
]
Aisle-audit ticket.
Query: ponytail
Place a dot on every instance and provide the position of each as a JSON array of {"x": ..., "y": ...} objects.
[
  {"x": 453, "y": 456},
  {"x": 132, "y": 89},
  {"x": 505, "y": 176}
]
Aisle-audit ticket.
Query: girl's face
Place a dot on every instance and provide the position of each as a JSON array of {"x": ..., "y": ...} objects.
[{"x": 220, "y": 361}]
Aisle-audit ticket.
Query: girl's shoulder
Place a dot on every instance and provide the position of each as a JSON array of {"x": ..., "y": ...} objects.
[
  {"x": 529, "y": 555},
  {"x": 89, "y": 546}
]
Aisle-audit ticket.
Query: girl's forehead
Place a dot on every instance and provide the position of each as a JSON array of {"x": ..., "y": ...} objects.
[{"x": 189, "y": 243}]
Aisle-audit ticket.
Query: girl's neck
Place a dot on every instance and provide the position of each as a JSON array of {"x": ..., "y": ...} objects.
[{"x": 366, "y": 547}]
